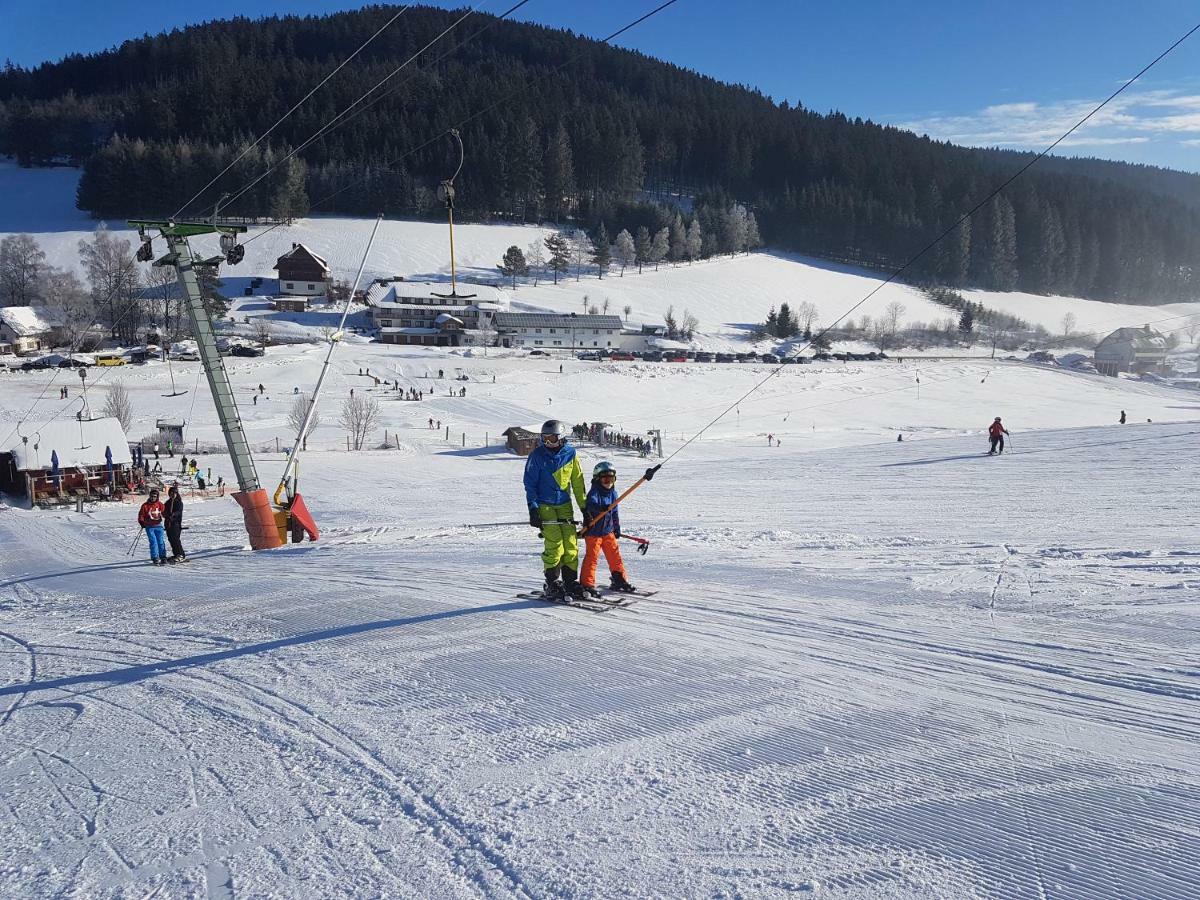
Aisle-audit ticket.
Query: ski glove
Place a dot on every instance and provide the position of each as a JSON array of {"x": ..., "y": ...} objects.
[
  {"x": 617, "y": 534},
  {"x": 535, "y": 518}
]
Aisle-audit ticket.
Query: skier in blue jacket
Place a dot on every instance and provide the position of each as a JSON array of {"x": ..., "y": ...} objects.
[
  {"x": 605, "y": 530},
  {"x": 552, "y": 475}
]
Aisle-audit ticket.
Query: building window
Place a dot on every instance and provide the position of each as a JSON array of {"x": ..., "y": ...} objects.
[
  {"x": 537, "y": 331},
  {"x": 537, "y": 343},
  {"x": 558, "y": 343},
  {"x": 288, "y": 286},
  {"x": 312, "y": 287},
  {"x": 595, "y": 331},
  {"x": 609, "y": 344},
  {"x": 552, "y": 331}
]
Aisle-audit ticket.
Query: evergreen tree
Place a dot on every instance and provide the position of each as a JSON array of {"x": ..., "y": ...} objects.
[
  {"x": 624, "y": 250},
  {"x": 559, "y": 248},
  {"x": 642, "y": 247},
  {"x": 678, "y": 245},
  {"x": 560, "y": 174},
  {"x": 601, "y": 251},
  {"x": 694, "y": 244},
  {"x": 513, "y": 265},
  {"x": 785, "y": 325},
  {"x": 966, "y": 320},
  {"x": 660, "y": 246}
]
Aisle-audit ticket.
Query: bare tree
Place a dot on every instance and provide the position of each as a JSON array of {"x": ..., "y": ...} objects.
[
  {"x": 627, "y": 309},
  {"x": 805, "y": 315},
  {"x": 296, "y": 414},
  {"x": 21, "y": 264},
  {"x": 118, "y": 406},
  {"x": 688, "y": 325},
  {"x": 113, "y": 276},
  {"x": 360, "y": 416},
  {"x": 262, "y": 330},
  {"x": 888, "y": 326},
  {"x": 535, "y": 258},
  {"x": 65, "y": 292},
  {"x": 581, "y": 249},
  {"x": 1068, "y": 324},
  {"x": 160, "y": 285},
  {"x": 604, "y": 306}
]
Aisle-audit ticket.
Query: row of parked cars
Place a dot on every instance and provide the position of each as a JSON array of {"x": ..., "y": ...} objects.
[{"x": 705, "y": 356}]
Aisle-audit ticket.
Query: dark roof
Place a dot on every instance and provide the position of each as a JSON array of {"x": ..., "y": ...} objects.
[
  {"x": 301, "y": 254},
  {"x": 1144, "y": 339},
  {"x": 521, "y": 434},
  {"x": 551, "y": 320}
]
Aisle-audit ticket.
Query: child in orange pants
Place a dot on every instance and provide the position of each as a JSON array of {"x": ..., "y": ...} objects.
[{"x": 604, "y": 532}]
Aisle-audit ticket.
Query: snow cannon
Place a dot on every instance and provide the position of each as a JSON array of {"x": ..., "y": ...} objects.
[{"x": 292, "y": 518}]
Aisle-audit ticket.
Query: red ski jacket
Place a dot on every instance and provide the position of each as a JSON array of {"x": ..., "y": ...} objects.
[
  {"x": 151, "y": 514},
  {"x": 996, "y": 430}
]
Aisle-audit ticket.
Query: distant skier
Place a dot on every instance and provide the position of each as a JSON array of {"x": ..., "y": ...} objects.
[
  {"x": 996, "y": 435},
  {"x": 1122, "y": 417},
  {"x": 605, "y": 533},
  {"x": 173, "y": 522},
  {"x": 552, "y": 475},
  {"x": 150, "y": 517}
]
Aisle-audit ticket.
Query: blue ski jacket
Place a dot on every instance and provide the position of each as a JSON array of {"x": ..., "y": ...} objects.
[
  {"x": 551, "y": 478},
  {"x": 599, "y": 499}
]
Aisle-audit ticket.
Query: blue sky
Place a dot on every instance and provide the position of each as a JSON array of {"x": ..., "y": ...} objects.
[{"x": 1014, "y": 74}]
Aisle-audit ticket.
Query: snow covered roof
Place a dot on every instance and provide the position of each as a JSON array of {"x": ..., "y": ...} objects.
[
  {"x": 26, "y": 321},
  {"x": 301, "y": 253},
  {"x": 551, "y": 320},
  {"x": 446, "y": 318},
  {"x": 1145, "y": 339},
  {"x": 63, "y": 437}
]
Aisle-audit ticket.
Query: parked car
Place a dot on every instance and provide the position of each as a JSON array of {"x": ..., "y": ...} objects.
[
  {"x": 538, "y": 353},
  {"x": 675, "y": 357},
  {"x": 653, "y": 356},
  {"x": 724, "y": 358},
  {"x": 769, "y": 358},
  {"x": 73, "y": 364},
  {"x": 822, "y": 357},
  {"x": 246, "y": 350},
  {"x": 704, "y": 356},
  {"x": 32, "y": 364},
  {"x": 589, "y": 355},
  {"x": 621, "y": 356},
  {"x": 111, "y": 359}
]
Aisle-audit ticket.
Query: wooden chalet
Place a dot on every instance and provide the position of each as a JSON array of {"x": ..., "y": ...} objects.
[{"x": 302, "y": 273}]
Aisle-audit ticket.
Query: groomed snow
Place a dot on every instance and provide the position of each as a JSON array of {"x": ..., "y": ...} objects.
[{"x": 874, "y": 668}]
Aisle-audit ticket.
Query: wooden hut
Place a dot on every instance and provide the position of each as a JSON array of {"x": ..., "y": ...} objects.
[
  {"x": 521, "y": 441},
  {"x": 82, "y": 449}
]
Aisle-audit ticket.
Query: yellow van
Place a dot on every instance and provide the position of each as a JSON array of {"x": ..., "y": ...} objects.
[{"x": 109, "y": 359}]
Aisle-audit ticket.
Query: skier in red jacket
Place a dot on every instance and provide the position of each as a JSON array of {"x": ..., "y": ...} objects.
[
  {"x": 996, "y": 435},
  {"x": 151, "y": 517}
]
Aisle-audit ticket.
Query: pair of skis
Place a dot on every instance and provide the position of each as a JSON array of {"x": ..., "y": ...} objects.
[{"x": 597, "y": 601}]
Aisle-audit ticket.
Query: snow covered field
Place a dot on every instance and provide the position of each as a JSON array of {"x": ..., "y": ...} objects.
[{"x": 874, "y": 669}]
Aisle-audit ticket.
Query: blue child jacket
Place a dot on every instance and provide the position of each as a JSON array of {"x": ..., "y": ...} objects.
[{"x": 599, "y": 499}]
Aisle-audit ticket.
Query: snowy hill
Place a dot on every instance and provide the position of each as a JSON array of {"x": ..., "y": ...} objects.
[
  {"x": 727, "y": 295},
  {"x": 889, "y": 672}
]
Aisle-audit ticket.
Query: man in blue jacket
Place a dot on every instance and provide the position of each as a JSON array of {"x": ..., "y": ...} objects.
[{"x": 552, "y": 475}]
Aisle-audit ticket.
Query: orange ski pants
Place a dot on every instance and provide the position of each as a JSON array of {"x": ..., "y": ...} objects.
[{"x": 612, "y": 553}]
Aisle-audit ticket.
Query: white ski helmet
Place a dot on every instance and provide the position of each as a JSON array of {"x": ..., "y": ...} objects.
[{"x": 554, "y": 427}]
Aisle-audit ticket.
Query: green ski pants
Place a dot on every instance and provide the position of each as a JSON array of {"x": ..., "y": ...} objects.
[{"x": 562, "y": 548}]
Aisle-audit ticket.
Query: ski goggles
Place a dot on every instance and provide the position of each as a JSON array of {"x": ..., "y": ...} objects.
[{"x": 552, "y": 440}]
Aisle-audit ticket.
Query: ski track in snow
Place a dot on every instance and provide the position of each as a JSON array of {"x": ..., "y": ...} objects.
[{"x": 893, "y": 670}]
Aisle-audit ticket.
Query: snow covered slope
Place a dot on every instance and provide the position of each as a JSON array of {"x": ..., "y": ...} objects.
[
  {"x": 728, "y": 296},
  {"x": 893, "y": 671}
]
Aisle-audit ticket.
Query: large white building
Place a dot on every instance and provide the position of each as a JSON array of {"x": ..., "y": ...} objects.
[
  {"x": 412, "y": 312},
  {"x": 28, "y": 329},
  {"x": 559, "y": 331},
  {"x": 1131, "y": 350}
]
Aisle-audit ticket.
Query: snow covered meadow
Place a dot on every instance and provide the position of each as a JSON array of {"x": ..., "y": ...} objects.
[{"x": 874, "y": 668}]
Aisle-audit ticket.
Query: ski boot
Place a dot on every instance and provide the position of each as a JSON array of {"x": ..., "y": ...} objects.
[
  {"x": 618, "y": 583},
  {"x": 553, "y": 590},
  {"x": 571, "y": 585}
]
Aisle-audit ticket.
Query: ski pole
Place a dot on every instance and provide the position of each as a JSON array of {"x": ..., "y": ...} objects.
[
  {"x": 643, "y": 544},
  {"x": 507, "y": 524},
  {"x": 137, "y": 537}
]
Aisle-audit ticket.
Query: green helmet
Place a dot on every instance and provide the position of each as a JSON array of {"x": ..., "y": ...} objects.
[{"x": 604, "y": 467}]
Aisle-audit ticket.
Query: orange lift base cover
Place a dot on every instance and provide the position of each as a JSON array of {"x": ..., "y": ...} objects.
[{"x": 259, "y": 518}]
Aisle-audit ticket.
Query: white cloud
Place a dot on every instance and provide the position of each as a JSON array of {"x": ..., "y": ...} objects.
[{"x": 1135, "y": 117}]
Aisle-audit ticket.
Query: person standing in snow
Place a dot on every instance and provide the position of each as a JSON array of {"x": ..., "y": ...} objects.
[
  {"x": 552, "y": 475},
  {"x": 996, "y": 433},
  {"x": 150, "y": 517},
  {"x": 604, "y": 532},
  {"x": 173, "y": 522},
  {"x": 1122, "y": 417}
]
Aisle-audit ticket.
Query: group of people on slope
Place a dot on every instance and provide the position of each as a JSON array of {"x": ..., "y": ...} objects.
[
  {"x": 552, "y": 477},
  {"x": 163, "y": 522}
]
